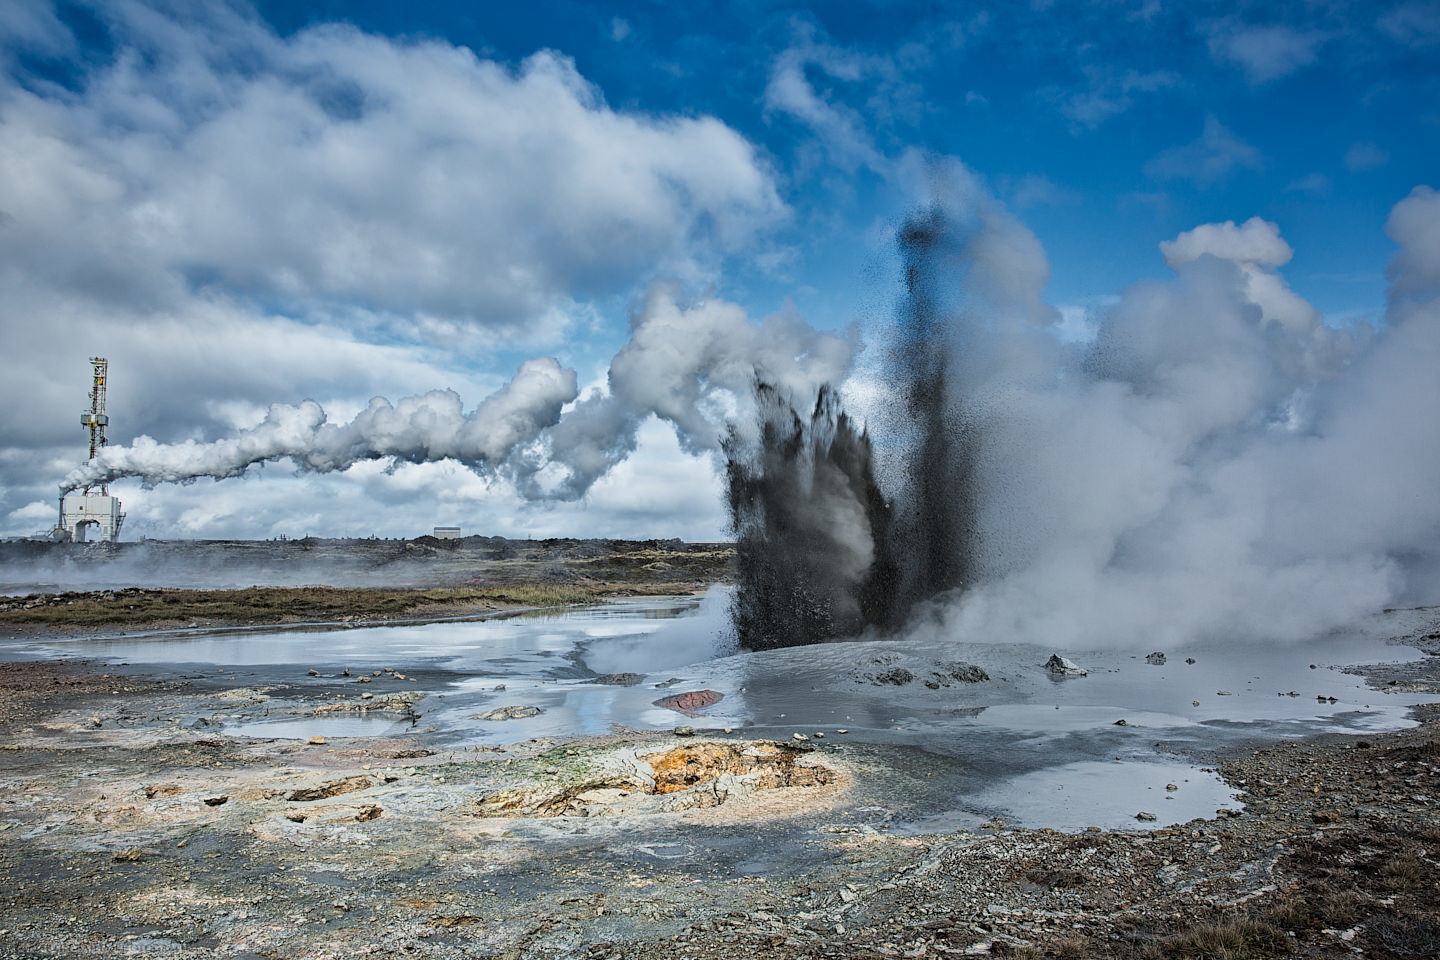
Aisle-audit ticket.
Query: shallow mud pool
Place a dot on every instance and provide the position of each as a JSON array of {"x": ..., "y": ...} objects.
[{"x": 979, "y": 730}]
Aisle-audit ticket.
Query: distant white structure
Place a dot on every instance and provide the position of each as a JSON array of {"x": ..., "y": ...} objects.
[
  {"x": 447, "y": 533},
  {"x": 79, "y": 511},
  {"x": 92, "y": 506}
]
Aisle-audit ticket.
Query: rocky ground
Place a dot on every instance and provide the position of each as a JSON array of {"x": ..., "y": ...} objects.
[
  {"x": 109, "y": 612},
  {"x": 317, "y": 581},
  {"x": 37, "y": 566},
  {"x": 130, "y": 827}
]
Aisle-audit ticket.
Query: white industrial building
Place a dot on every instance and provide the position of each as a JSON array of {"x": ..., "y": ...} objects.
[
  {"x": 93, "y": 506},
  {"x": 80, "y": 511}
]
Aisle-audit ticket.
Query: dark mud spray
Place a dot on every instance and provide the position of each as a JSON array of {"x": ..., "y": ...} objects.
[
  {"x": 811, "y": 526},
  {"x": 822, "y": 551}
]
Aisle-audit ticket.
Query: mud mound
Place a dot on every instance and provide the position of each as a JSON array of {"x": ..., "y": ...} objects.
[
  {"x": 765, "y": 764},
  {"x": 692, "y": 776}
]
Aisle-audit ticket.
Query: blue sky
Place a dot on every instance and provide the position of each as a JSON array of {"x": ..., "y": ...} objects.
[
  {"x": 1088, "y": 118},
  {"x": 244, "y": 205}
]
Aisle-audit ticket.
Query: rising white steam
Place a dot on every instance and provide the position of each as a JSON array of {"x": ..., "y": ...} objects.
[
  {"x": 690, "y": 365},
  {"x": 1218, "y": 462},
  {"x": 429, "y": 427}
]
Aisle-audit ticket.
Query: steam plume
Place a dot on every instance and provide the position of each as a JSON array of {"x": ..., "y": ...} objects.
[
  {"x": 429, "y": 427},
  {"x": 692, "y": 366},
  {"x": 1217, "y": 461},
  {"x": 689, "y": 364}
]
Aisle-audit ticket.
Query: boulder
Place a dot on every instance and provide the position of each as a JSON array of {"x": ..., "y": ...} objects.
[
  {"x": 1059, "y": 666},
  {"x": 690, "y": 702}
]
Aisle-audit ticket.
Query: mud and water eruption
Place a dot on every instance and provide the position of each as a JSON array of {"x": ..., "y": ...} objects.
[
  {"x": 1210, "y": 459},
  {"x": 821, "y": 551},
  {"x": 811, "y": 526}
]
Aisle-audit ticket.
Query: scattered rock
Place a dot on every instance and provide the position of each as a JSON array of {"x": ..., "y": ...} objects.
[
  {"x": 312, "y": 673},
  {"x": 959, "y": 672},
  {"x": 368, "y": 812},
  {"x": 691, "y": 702},
  {"x": 512, "y": 712},
  {"x": 619, "y": 679},
  {"x": 684, "y": 731},
  {"x": 216, "y": 801},
  {"x": 1122, "y": 723},
  {"x": 457, "y": 920},
  {"x": 1157, "y": 659},
  {"x": 1145, "y": 815},
  {"x": 316, "y": 740},
  {"x": 1190, "y": 660},
  {"x": 332, "y": 789},
  {"x": 1223, "y": 693},
  {"x": 129, "y": 855},
  {"x": 1063, "y": 667}
]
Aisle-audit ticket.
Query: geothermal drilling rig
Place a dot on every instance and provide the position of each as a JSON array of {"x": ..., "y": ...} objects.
[{"x": 93, "y": 505}]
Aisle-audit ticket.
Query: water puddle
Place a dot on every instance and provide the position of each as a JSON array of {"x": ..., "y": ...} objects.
[{"x": 328, "y": 727}]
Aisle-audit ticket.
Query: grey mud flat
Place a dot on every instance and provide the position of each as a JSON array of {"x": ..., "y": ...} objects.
[{"x": 129, "y": 827}]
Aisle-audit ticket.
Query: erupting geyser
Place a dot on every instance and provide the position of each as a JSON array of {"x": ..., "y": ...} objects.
[
  {"x": 811, "y": 526},
  {"x": 1215, "y": 460},
  {"x": 822, "y": 553}
]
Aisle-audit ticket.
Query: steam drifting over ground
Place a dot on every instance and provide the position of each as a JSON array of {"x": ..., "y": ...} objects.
[{"x": 1216, "y": 462}]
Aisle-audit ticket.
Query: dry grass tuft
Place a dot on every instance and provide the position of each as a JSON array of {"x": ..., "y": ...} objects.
[
  {"x": 1232, "y": 940},
  {"x": 1404, "y": 872},
  {"x": 1071, "y": 948}
]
